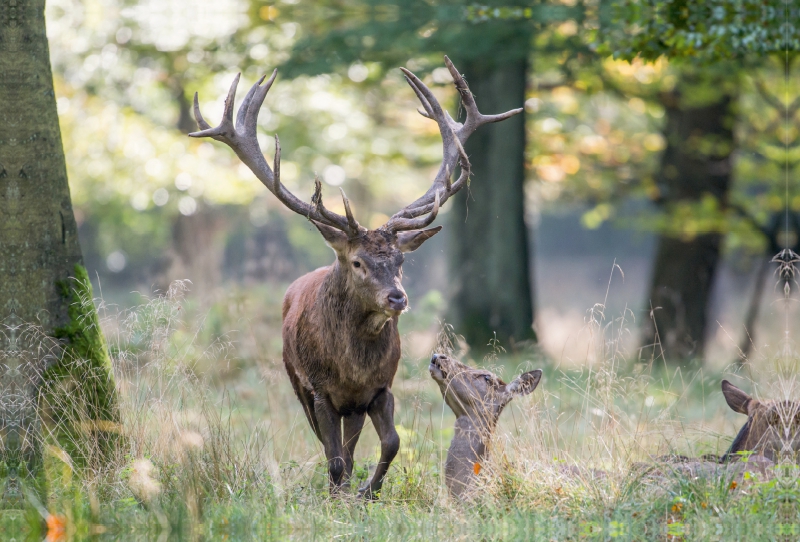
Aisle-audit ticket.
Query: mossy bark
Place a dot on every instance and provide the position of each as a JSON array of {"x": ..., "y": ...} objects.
[
  {"x": 78, "y": 394},
  {"x": 39, "y": 249}
]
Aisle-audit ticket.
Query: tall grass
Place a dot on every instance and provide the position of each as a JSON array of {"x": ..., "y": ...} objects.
[{"x": 212, "y": 441}]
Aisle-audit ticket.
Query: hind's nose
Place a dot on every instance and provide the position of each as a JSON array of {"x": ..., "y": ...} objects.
[{"x": 436, "y": 359}]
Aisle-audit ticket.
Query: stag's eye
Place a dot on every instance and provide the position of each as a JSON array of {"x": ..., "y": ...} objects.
[
  {"x": 487, "y": 378},
  {"x": 356, "y": 264}
]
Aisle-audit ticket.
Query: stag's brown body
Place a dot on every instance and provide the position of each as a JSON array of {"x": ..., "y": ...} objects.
[
  {"x": 341, "y": 356},
  {"x": 341, "y": 346},
  {"x": 326, "y": 347}
]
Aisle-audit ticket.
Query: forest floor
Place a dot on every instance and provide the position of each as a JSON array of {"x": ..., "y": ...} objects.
[{"x": 215, "y": 445}]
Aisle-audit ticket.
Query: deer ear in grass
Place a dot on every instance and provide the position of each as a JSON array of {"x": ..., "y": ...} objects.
[
  {"x": 736, "y": 398},
  {"x": 525, "y": 383}
]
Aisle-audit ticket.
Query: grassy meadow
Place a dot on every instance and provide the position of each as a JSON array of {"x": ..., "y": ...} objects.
[{"x": 214, "y": 444}]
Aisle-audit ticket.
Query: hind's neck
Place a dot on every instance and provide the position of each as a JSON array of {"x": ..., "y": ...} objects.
[{"x": 469, "y": 446}]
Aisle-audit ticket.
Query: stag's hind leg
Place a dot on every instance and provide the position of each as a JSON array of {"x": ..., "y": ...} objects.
[{"x": 306, "y": 398}]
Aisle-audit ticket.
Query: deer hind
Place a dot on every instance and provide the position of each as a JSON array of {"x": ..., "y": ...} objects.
[
  {"x": 340, "y": 341},
  {"x": 772, "y": 428},
  {"x": 477, "y": 397}
]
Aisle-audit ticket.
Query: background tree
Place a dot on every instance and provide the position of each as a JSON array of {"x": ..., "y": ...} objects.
[
  {"x": 42, "y": 280},
  {"x": 490, "y": 252},
  {"x": 500, "y": 41},
  {"x": 356, "y": 47},
  {"x": 695, "y": 169}
]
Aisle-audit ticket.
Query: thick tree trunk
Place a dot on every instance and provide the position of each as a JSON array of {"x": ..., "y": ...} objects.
[
  {"x": 489, "y": 265},
  {"x": 39, "y": 250},
  {"x": 695, "y": 164}
]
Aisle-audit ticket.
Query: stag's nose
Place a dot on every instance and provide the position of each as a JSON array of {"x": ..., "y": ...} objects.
[
  {"x": 435, "y": 360},
  {"x": 397, "y": 300}
]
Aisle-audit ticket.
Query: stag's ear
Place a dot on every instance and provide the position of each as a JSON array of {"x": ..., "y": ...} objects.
[
  {"x": 409, "y": 241},
  {"x": 336, "y": 239},
  {"x": 525, "y": 383},
  {"x": 736, "y": 398}
]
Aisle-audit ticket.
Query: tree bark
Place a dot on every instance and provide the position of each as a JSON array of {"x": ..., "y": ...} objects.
[
  {"x": 39, "y": 251},
  {"x": 490, "y": 262},
  {"x": 695, "y": 163}
]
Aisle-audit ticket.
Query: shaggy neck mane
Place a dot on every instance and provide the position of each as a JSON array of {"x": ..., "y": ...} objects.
[{"x": 345, "y": 314}]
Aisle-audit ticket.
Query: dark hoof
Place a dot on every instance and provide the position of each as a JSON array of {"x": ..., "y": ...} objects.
[{"x": 366, "y": 494}]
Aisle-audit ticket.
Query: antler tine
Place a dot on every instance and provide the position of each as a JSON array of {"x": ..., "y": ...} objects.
[
  {"x": 242, "y": 138},
  {"x": 474, "y": 118},
  {"x": 429, "y": 101},
  {"x": 413, "y": 212},
  {"x": 423, "y": 100},
  {"x": 244, "y": 106},
  {"x": 454, "y": 134},
  {"x": 350, "y": 226},
  {"x": 351, "y": 221},
  {"x": 198, "y": 116},
  {"x": 225, "y": 130},
  {"x": 461, "y": 85},
  {"x": 227, "y": 115},
  {"x": 418, "y": 222},
  {"x": 466, "y": 169},
  {"x": 251, "y": 117}
]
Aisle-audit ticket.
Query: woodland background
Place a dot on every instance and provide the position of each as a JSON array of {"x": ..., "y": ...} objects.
[{"x": 673, "y": 173}]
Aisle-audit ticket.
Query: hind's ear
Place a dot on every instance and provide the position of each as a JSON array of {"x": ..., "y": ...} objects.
[
  {"x": 736, "y": 398},
  {"x": 525, "y": 383}
]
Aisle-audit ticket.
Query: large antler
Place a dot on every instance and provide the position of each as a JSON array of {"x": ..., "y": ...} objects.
[
  {"x": 454, "y": 135},
  {"x": 241, "y": 137}
]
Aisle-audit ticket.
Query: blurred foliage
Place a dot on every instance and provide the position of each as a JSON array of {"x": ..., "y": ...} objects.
[
  {"x": 126, "y": 70},
  {"x": 122, "y": 73},
  {"x": 703, "y": 31},
  {"x": 596, "y": 137},
  {"x": 600, "y": 74}
]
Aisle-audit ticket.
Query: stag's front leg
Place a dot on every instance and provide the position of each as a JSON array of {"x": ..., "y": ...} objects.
[
  {"x": 330, "y": 429},
  {"x": 381, "y": 412}
]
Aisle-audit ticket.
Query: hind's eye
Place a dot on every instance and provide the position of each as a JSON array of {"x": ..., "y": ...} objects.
[
  {"x": 487, "y": 378},
  {"x": 356, "y": 264}
]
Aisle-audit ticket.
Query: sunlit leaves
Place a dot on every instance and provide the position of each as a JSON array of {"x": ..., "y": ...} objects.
[{"x": 703, "y": 31}]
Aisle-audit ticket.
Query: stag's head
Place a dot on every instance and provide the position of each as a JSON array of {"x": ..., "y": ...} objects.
[
  {"x": 772, "y": 428},
  {"x": 369, "y": 259},
  {"x": 477, "y": 393}
]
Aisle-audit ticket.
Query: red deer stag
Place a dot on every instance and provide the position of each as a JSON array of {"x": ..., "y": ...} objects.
[{"x": 340, "y": 341}]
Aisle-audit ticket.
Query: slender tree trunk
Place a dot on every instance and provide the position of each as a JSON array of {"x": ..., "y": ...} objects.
[
  {"x": 490, "y": 263},
  {"x": 695, "y": 164},
  {"x": 39, "y": 252}
]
